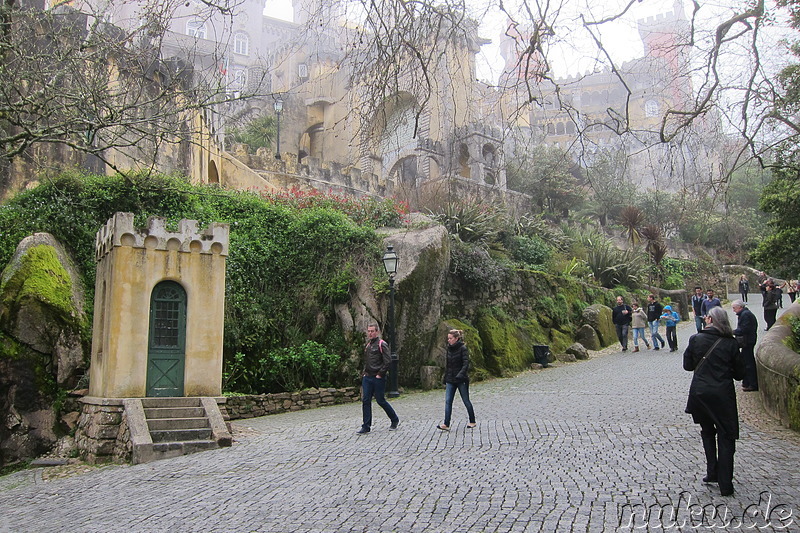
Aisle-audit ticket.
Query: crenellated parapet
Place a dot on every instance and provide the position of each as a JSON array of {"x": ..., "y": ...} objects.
[{"x": 119, "y": 231}]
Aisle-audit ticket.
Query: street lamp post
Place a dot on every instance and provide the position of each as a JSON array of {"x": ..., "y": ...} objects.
[
  {"x": 278, "y": 110},
  {"x": 390, "y": 260}
]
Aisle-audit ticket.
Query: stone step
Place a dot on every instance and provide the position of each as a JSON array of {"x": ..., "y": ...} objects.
[
  {"x": 180, "y": 435},
  {"x": 164, "y": 450},
  {"x": 156, "y": 424},
  {"x": 174, "y": 412},
  {"x": 171, "y": 402}
]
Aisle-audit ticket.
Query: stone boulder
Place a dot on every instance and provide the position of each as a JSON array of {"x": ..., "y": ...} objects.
[
  {"x": 599, "y": 317},
  {"x": 566, "y": 357},
  {"x": 587, "y": 336},
  {"x": 578, "y": 350},
  {"x": 41, "y": 344}
]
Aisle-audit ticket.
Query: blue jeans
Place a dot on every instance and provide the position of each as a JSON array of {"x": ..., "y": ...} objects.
[
  {"x": 622, "y": 334},
  {"x": 656, "y": 335},
  {"x": 638, "y": 332},
  {"x": 698, "y": 322},
  {"x": 450, "y": 394},
  {"x": 374, "y": 387}
]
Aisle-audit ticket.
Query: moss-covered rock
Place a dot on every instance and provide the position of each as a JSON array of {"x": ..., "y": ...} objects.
[
  {"x": 587, "y": 336},
  {"x": 43, "y": 345},
  {"x": 506, "y": 345},
  {"x": 599, "y": 317},
  {"x": 424, "y": 260}
]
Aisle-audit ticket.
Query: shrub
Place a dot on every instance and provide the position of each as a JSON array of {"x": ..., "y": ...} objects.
[
  {"x": 283, "y": 370},
  {"x": 474, "y": 265},
  {"x": 531, "y": 251}
]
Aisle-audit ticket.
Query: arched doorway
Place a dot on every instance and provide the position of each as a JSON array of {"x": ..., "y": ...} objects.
[
  {"x": 213, "y": 175},
  {"x": 166, "y": 347}
]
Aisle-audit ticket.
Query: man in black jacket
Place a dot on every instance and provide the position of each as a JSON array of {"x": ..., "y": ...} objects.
[
  {"x": 621, "y": 316},
  {"x": 747, "y": 331},
  {"x": 373, "y": 381}
]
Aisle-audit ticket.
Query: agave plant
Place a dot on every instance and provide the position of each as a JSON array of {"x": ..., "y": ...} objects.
[
  {"x": 611, "y": 266},
  {"x": 471, "y": 221}
]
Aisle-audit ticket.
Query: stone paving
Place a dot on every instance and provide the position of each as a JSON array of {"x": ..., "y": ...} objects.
[{"x": 598, "y": 445}]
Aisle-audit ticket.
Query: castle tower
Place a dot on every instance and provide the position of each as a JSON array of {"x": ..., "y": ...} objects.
[{"x": 159, "y": 309}]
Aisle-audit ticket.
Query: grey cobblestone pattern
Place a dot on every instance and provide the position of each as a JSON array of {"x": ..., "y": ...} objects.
[{"x": 580, "y": 447}]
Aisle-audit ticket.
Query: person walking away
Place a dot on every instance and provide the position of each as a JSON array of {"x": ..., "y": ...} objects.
[
  {"x": 638, "y": 323},
  {"x": 377, "y": 358},
  {"x": 697, "y": 308},
  {"x": 709, "y": 302},
  {"x": 744, "y": 287},
  {"x": 697, "y": 303},
  {"x": 746, "y": 333},
  {"x": 762, "y": 283},
  {"x": 713, "y": 356},
  {"x": 792, "y": 290},
  {"x": 456, "y": 376},
  {"x": 779, "y": 292},
  {"x": 621, "y": 317},
  {"x": 671, "y": 319},
  {"x": 654, "y": 310},
  {"x": 770, "y": 304}
]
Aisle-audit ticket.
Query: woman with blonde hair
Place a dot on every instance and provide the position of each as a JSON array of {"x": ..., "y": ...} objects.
[{"x": 456, "y": 377}]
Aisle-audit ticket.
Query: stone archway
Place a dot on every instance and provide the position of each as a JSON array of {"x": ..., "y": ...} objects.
[{"x": 213, "y": 174}]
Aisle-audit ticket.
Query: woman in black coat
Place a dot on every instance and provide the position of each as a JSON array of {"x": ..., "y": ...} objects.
[
  {"x": 770, "y": 303},
  {"x": 713, "y": 355},
  {"x": 456, "y": 377}
]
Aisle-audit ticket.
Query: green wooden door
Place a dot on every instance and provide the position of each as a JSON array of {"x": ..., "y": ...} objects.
[{"x": 166, "y": 352}]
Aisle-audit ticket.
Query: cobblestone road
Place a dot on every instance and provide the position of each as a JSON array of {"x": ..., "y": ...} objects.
[{"x": 599, "y": 445}]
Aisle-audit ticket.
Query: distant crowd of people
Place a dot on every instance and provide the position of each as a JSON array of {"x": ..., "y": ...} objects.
[{"x": 717, "y": 355}]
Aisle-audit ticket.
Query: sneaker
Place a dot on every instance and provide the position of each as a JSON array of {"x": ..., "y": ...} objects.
[
  {"x": 395, "y": 424},
  {"x": 635, "y": 348},
  {"x": 655, "y": 348},
  {"x": 362, "y": 431}
]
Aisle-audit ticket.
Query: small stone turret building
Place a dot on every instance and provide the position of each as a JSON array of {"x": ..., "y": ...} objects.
[
  {"x": 160, "y": 278},
  {"x": 156, "y": 371}
]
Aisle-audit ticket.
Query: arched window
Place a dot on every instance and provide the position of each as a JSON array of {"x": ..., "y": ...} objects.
[
  {"x": 560, "y": 128},
  {"x": 238, "y": 79},
  {"x": 570, "y": 127},
  {"x": 196, "y": 28},
  {"x": 651, "y": 108},
  {"x": 241, "y": 44},
  {"x": 551, "y": 129}
]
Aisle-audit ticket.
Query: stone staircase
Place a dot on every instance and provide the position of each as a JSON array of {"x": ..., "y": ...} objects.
[{"x": 169, "y": 427}]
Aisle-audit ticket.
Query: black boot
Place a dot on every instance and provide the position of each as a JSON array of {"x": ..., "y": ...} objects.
[
  {"x": 710, "y": 448},
  {"x": 727, "y": 448}
]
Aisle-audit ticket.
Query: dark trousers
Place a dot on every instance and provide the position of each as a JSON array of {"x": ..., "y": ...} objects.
[
  {"x": 672, "y": 337},
  {"x": 719, "y": 450},
  {"x": 770, "y": 317},
  {"x": 374, "y": 387},
  {"x": 449, "y": 396},
  {"x": 792, "y": 296},
  {"x": 750, "y": 373},
  {"x": 744, "y": 296},
  {"x": 622, "y": 334}
]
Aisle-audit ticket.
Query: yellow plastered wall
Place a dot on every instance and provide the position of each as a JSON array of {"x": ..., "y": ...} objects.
[{"x": 130, "y": 263}]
